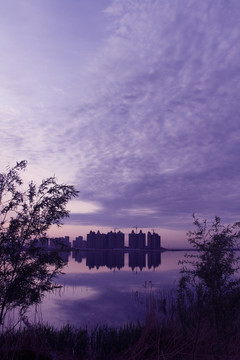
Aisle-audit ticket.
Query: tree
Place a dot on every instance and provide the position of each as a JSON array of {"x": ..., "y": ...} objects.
[
  {"x": 209, "y": 289},
  {"x": 27, "y": 269}
]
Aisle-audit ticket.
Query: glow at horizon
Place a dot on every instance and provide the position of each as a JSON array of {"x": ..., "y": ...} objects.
[{"x": 135, "y": 102}]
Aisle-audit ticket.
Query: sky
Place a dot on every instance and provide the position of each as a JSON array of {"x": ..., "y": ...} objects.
[{"x": 134, "y": 102}]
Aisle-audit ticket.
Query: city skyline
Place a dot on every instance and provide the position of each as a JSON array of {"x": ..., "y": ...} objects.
[
  {"x": 134, "y": 102},
  {"x": 103, "y": 241}
]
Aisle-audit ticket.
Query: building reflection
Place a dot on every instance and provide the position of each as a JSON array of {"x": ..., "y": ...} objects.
[
  {"x": 137, "y": 260},
  {"x": 64, "y": 255},
  {"x": 154, "y": 259},
  {"x": 78, "y": 256},
  {"x": 112, "y": 259}
]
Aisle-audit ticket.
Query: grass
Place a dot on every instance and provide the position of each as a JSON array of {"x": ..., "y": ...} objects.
[
  {"x": 162, "y": 337},
  {"x": 46, "y": 343}
]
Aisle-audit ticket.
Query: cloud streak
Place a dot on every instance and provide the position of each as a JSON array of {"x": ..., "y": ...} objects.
[
  {"x": 148, "y": 127},
  {"x": 163, "y": 122}
]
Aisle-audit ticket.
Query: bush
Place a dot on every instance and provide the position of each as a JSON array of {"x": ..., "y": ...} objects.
[
  {"x": 209, "y": 290},
  {"x": 27, "y": 269}
]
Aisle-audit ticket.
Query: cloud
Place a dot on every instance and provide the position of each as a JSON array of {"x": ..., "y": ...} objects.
[
  {"x": 161, "y": 126},
  {"x": 148, "y": 127},
  {"x": 83, "y": 207}
]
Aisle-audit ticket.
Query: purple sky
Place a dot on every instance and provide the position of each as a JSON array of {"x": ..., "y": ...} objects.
[{"x": 135, "y": 102}]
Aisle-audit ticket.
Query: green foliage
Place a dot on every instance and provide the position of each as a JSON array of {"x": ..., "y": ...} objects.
[
  {"x": 26, "y": 269},
  {"x": 209, "y": 288}
]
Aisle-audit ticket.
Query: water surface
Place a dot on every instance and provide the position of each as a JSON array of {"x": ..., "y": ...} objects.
[{"x": 108, "y": 287}]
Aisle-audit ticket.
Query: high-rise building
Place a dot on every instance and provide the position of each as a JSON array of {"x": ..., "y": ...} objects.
[
  {"x": 153, "y": 240},
  {"x": 42, "y": 243},
  {"x": 111, "y": 240},
  {"x": 96, "y": 240},
  {"x": 120, "y": 240},
  {"x": 137, "y": 240},
  {"x": 91, "y": 240},
  {"x": 78, "y": 243},
  {"x": 115, "y": 240},
  {"x": 60, "y": 243}
]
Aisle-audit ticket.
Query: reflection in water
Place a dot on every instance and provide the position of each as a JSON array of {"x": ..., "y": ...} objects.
[
  {"x": 137, "y": 260},
  {"x": 109, "y": 287},
  {"x": 154, "y": 259},
  {"x": 117, "y": 260},
  {"x": 65, "y": 256}
]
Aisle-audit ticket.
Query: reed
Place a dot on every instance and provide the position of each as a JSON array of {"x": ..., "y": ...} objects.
[
  {"x": 44, "y": 342},
  {"x": 163, "y": 336}
]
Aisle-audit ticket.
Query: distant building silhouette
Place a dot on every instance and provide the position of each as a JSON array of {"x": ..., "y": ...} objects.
[
  {"x": 57, "y": 243},
  {"x": 99, "y": 241},
  {"x": 42, "y": 243},
  {"x": 60, "y": 243},
  {"x": 137, "y": 240},
  {"x": 111, "y": 240},
  {"x": 153, "y": 241},
  {"x": 115, "y": 240},
  {"x": 91, "y": 241},
  {"x": 96, "y": 240},
  {"x": 79, "y": 243}
]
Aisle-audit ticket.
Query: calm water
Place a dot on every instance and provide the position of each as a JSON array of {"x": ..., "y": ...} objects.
[{"x": 108, "y": 287}]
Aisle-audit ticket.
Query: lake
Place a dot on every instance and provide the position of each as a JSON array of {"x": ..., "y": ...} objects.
[{"x": 108, "y": 287}]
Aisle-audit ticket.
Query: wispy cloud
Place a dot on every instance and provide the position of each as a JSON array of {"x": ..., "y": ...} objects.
[
  {"x": 161, "y": 127},
  {"x": 151, "y": 120}
]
